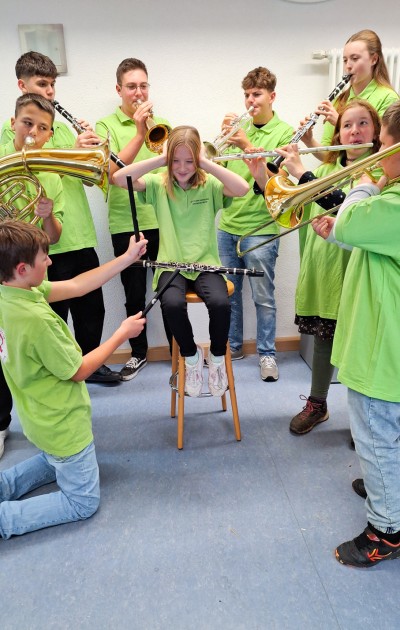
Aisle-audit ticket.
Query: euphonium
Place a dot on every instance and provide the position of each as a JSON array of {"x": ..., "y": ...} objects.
[
  {"x": 285, "y": 201},
  {"x": 157, "y": 133},
  {"x": 221, "y": 142},
  {"x": 20, "y": 189}
]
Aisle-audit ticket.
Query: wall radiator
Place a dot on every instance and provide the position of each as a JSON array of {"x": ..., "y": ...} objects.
[{"x": 335, "y": 59}]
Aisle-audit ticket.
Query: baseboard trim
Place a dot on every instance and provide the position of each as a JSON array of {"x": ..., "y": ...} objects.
[{"x": 161, "y": 353}]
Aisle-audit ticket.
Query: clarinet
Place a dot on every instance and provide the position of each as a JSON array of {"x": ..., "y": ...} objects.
[
  {"x": 198, "y": 267},
  {"x": 79, "y": 129},
  {"x": 274, "y": 165}
]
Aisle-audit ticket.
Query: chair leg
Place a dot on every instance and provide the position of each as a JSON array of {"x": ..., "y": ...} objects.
[
  {"x": 174, "y": 370},
  {"x": 232, "y": 393},
  {"x": 181, "y": 399}
]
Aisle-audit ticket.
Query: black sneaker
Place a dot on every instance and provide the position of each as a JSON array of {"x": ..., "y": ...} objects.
[
  {"x": 313, "y": 413},
  {"x": 132, "y": 368},
  {"x": 104, "y": 375},
  {"x": 359, "y": 488},
  {"x": 366, "y": 550}
]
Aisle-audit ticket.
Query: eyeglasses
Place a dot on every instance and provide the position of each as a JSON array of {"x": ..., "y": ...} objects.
[{"x": 132, "y": 87}]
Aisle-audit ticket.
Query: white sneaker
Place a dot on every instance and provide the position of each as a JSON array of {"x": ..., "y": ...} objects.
[
  {"x": 217, "y": 378},
  {"x": 194, "y": 375},
  {"x": 3, "y": 437},
  {"x": 268, "y": 368}
]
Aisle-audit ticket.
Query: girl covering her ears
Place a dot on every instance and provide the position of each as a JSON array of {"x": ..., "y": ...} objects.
[{"x": 186, "y": 198}]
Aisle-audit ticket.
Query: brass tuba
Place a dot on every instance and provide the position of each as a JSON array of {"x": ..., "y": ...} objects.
[
  {"x": 20, "y": 189},
  {"x": 285, "y": 201}
]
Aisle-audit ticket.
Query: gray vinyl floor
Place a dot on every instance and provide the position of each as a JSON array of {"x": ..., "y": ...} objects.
[{"x": 222, "y": 535}]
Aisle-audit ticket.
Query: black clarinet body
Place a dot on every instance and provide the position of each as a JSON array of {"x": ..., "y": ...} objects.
[
  {"x": 79, "y": 129},
  {"x": 198, "y": 267},
  {"x": 275, "y": 164}
]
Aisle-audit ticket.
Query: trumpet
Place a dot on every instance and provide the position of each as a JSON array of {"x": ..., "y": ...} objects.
[
  {"x": 274, "y": 166},
  {"x": 221, "y": 142},
  {"x": 285, "y": 201},
  {"x": 157, "y": 133},
  {"x": 274, "y": 153}
]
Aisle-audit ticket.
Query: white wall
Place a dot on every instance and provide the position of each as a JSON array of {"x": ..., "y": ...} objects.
[{"x": 197, "y": 54}]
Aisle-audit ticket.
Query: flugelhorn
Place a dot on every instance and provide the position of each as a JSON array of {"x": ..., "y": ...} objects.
[
  {"x": 260, "y": 154},
  {"x": 221, "y": 142},
  {"x": 157, "y": 133},
  {"x": 285, "y": 201},
  {"x": 274, "y": 166},
  {"x": 20, "y": 189}
]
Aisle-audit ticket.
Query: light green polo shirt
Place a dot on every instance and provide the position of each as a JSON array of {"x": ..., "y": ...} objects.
[
  {"x": 379, "y": 96},
  {"x": 249, "y": 211},
  {"x": 187, "y": 222},
  {"x": 323, "y": 265},
  {"x": 52, "y": 186},
  {"x": 39, "y": 356},
  {"x": 121, "y": 129},
  {"x": 366, "y": 345},
  {"x": 78, "y": 227}
]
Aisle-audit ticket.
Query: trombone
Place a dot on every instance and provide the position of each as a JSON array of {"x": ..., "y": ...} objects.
[
  {"x": 285, "y": 201},
  {"x": 262, "y": 154}
]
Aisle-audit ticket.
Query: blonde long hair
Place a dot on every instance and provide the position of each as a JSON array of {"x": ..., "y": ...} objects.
[
  {"x": 379, "y": 71},
  {"x": 189, "y": 137}
]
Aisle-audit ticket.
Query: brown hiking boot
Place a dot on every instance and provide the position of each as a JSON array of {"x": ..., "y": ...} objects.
[{"x": 313, "y": 413}]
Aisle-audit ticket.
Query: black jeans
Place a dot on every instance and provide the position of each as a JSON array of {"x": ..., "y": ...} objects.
[
  {"x": 212, "y": 290},
  {"x": 5, "y": 402},
  {"x": 87, "y": 311},
  {"x": 134, "y": 282}
]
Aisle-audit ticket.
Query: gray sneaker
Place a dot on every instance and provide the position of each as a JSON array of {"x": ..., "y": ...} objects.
[
  {"x": 268, "y": 368},
  {"x": 237, "y": 354}
]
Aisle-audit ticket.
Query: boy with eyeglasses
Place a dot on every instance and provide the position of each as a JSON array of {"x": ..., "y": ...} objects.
[
  {"x": 127, "y": 129},
  {"x": 74, "y": 253}
]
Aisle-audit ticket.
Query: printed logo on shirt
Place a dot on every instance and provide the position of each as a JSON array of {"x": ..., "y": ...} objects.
[
  {"x": 3, "y": 346},
  {"x": 197, "y": 202}
]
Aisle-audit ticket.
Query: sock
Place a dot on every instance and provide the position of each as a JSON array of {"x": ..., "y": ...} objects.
[
  {"x": 393, "y": 539},
  {"x": 319, "y": 401},
  {"x": 217, "y": 360},
  {"x": 192, "y": 360}
]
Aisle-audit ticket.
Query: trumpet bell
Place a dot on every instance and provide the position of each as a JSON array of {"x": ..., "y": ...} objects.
[{"x": 156, "y": 136}]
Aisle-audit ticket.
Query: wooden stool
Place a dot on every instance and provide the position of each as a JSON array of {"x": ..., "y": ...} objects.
[{"x": 177, "y": 380}]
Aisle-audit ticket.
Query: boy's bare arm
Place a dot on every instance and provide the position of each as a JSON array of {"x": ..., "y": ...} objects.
[
  {"x": 95, "y": 278},
  {"x": 50, "y": 224},
  {"x": 130, "y": 327}
]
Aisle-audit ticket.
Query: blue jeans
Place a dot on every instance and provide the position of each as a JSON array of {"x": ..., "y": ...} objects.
[
  {"x": 79, "y": 496},
  {"x": 375, "y": 427},
  {"x": 262, "y": 289}
]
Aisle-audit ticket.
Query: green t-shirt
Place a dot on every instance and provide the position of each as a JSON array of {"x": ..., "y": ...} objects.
[
  {"x": 121, "y": 129},
  {"x": 323, "y": 265},
  {"x": 379, "y": 96},
  {"x": 247, "y": 212},
  {"x": 187, "y": 222},
  {"x": 39, "y": 356},
  {"x": 78, "y": 227},
  {"x": 52, "y": 186},
  {"x": 366, "y": 346}
]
